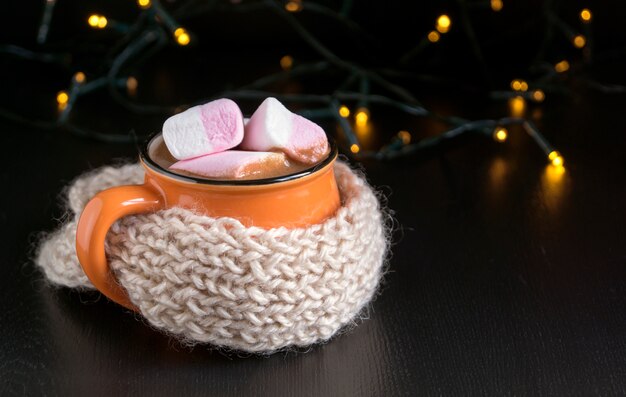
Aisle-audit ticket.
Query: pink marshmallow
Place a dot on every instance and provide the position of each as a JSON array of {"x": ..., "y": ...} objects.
[
  {"x": 235, "y": 164},
  {"x": 213, "y": 127},
  {"x": 273, "y": 127}
]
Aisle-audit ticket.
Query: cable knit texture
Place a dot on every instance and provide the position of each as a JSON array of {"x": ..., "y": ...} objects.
[{"x": 216, "y": 281}]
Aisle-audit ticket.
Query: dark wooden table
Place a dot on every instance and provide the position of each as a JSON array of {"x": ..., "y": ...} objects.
[{"x": 506, "y": 278}]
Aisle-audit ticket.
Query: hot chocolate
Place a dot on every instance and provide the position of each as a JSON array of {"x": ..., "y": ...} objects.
[{"x": 270, "y": 166}]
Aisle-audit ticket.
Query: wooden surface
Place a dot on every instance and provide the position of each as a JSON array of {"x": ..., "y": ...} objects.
[{"x": 506, "y": 277}]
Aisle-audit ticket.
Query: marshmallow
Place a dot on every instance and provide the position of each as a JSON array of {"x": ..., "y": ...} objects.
[
  {"x": 235, "y": 164},
  {"x": 205, "y": 129},
  {"x": 273, "y": 127}
]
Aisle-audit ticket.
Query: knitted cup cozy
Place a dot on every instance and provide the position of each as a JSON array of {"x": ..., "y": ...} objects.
[{"x": 214, "y": 280}]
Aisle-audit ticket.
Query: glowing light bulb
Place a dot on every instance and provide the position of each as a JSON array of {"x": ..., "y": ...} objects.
[
  {"x": 516, "y": 85},
  {"x": 539, "y": 95},
  {"x": 500, "y": 134},
  {"x": 62, "y": 98},
  {"x": 286, "y": 62},
  {"x": 523, "y": 86},
  {"x": 562, "y": 66},
  {"x": 579, "y": 41},
  {"x": 556, "y": 159},
  {"x": 79, "y": 77},
  {"x": 293, "y": 6},
  {"x": 405, "y": 137},
  {"x": 131, "y": 85},
  {"x": 355, "y": 148},
  {"x": 585, "y": 15},
  {"x": 433, "y": 36},
  {"x": 144, "y": 3},
  {"x": 182, "y": 37},
  {"x": 362, "y": 116},
  {"x": 496, "y": 5},
  {"x": 443, "y": 23},
  {"x": 97, "y": 21},
  {"x": 93, "y": 20},
  {"x": 344, "y": 111}
]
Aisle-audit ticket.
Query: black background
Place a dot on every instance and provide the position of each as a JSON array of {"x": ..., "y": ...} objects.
[{"x": 506, "y": 278}]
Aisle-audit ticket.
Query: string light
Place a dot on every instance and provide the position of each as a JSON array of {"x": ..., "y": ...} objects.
[
  {"x": 496, "y": 5},
  {"x": 539, "y": 95},
  {"x": 62, "y": 97},
  {"x": 555, "y": 158},
  {"x": 585, "y": 15},
  {"x": 579, "y": 41},
  {"x": 79, "y": 77},
  {"x": 344, "y": 111},
  {"x": 500, "y": 134},
  {"x": 144, "y": 3},
  {"x": 162, "y": 19},
  {"x": 97, "y": 21},
  {"x": 362, "y": 116},
  {"x": 293, "y": 6},
  {"x": 286, "y": 62},
  {"x": 182, "y": 37},
  {"x": 562, "y": 66},
  {"x": 443, "y": 23},
  {"x": 523, "y": 86},
  {"x": 433, "y": 36},
  {"x": 131, "y": 85},
  {"x": 405, "y": 137},
  {"x": 519, "y": 85}
]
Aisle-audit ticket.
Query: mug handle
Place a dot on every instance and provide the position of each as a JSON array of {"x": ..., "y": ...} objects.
[{"x": 99, "y": 214}]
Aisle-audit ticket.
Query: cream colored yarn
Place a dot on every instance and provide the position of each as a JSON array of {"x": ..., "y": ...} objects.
[{"x": 214, "y": 280}]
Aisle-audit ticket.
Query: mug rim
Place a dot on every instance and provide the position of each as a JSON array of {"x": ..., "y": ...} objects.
[{"x": 145, "y": 158}]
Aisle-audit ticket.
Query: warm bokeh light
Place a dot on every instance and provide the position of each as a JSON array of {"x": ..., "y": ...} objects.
[
  {"x": 443, "y": 23},
  {"x": 556, "y": 159},
  {"x": 286, "y": 62},
  {"x": 362, "y": 116},
  {"x": 97, "y": 21},
  {"x": 496, "y": 5},
  {"x": 293, "y": 6},
  {"x": 182, "y": 37},
  {"x": 355, "y": 148},
  {"x": 579, "y": 41},
  {"x": 344, "y": 111},
  {"x": 131, "y": 85},
  {"x": 144, "y": 3},
  {"x": 405, "y": 137},
  {"x": 517, "y": 106},
  {"x": 519, "y": 85},
  {"x": 523, "y": 86},
  {"x": 585, "y": 15},
  {"x": 562, "y": 66},
  {"x": 62, "y": 98},
  {"x": 500, "y": 134},
  {"x": 433, "y": 36},
  {"x": 79, "y": 77},
  {"x": 539, "y": 95}
]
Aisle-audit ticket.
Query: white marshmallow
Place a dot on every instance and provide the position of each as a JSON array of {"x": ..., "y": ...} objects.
[{"x": 213, "y": 127}]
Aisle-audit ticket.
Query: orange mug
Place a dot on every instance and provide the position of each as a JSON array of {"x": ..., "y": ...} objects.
[{"x": 296, "y": 200}]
